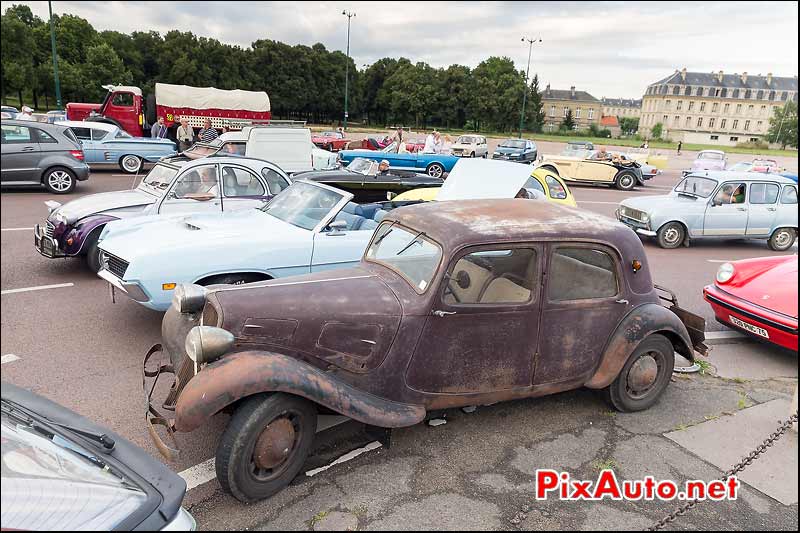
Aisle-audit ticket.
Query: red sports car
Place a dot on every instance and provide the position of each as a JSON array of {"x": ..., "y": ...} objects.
[
  {"x": 330, "y": 140},
  {"x": 758, "y": 297}
]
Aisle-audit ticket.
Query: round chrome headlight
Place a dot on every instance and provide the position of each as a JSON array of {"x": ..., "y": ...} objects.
[
  {"x": 189, "y": 298},
  {"x": 207, "y": 343},
  {"x": 725, "y": 273}
]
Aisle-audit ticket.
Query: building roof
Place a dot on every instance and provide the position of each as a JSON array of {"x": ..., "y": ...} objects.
[
  {"x": 571, "y": 94},
  {"x": 621, "y": 102},
  {"x": 609, "y": 121},
  {"x": 734, "y": 81}
]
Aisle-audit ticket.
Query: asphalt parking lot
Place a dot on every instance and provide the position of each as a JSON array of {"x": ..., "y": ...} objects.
[{"x": 63, "y": 337}]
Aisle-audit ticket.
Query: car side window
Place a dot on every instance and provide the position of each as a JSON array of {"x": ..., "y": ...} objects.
[
  {"x": 83, "y": 134},
  {"x": 240, "y": 182},
  {"x": 789, "y": 195},
  {"x": 13, "y": 134},
  {"x": 200, "y": 183},
  {"x": 731, "y": 193},
  {"x": 764, "y": 193},
  {"x": 583, "y": 273},
  {"x": 98, "y": 135},
  {"x": 45, "y": 137},
  {"x": 555, "y": 188},
  {"x": 535, "y": 184},
  {"x": 123, "y": 100},
  {"x": 275, "y": 181},
  {"x": 503, "y": 276}
]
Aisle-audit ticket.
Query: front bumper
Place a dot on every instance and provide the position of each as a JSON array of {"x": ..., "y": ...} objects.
[
  {"x": 642, "y": 228},
  {"x": 132, "y": 290},
  {"x": 46, "y": 246}
]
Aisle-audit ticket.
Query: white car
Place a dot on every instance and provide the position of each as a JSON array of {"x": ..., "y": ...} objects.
[{"x": 471, "y": 146}]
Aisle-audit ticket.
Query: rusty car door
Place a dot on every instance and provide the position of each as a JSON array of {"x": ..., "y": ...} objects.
[
  {"x": 583, "y": 301},
  {"x": 482, "y": 333}
]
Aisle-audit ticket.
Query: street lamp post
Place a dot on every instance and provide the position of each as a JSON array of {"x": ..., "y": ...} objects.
[
  {"x": 527, "y": 72},
  {"x": 349, "y": 15},
  {"x": 55, "y": 57}
]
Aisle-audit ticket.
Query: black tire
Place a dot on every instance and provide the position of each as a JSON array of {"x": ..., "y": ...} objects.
[
  {"x": 472, "y": 154},
  {"x": 93, "y": 252},
  {"x": 485, "y": 155},
  {"x": 131, "y": 164},
  {"x": 236, "y": 466},
  {"x": 671, "y": 235},
  {"x": 232, "y": 279},
  {"x": 782, "y": 239},
  {"x": 625, "y": 181},
  {"x": 435, "y": 170},
  {"x": 550, "y": 169},
  {"x": 624, "y": 394},
  {"x": 59, "y": 180}
]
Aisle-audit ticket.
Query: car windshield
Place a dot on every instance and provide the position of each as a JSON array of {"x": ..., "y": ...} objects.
[
  {"x": 711, "y": 155},
  {"x": 741, "y": 166},
  {"x": 465, "y": 139},
  {"x": 202, "y": 150},
  {"x": 53, "y": 483},
  {"x": 512, "y": 144},
  {"x": 696, "y": 186},
  {"x": 158, "y": 179},
  {"x": 390, "y": 148},
  {"x": 765, "y": 163},
  {"x": 409, "y": 253},
  {"x": 362, "y": 166},
  {"x": 303, "y": 204}
]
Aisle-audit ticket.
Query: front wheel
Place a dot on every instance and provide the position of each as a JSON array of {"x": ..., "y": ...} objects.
[
  {"x": 435, "y": 170},
  {"x": 472, "y": 154},
  {"x": 782, "y": 239},
  {"x": 265, "y": 445},
  {"x": 644, "y": 377},
  {"x": 131, "y": 164},
  {"x": 671, "y": 235},
  {"x": 93, "y": 254},
  {"x": 625, "y": 181},
  {"x": 59, "y": 180}
]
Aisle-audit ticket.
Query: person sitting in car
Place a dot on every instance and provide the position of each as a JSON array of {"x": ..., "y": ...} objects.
[{"x": 383, "y": 167}]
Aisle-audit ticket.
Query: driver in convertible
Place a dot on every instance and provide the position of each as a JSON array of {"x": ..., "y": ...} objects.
[{"x": 383, "y": 168}]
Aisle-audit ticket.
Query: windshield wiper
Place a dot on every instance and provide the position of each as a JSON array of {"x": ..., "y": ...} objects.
[
  {"x": 103, "y": 439},
  {"x": 379, "y": 239},
  {"x": 407, "y": 246}
]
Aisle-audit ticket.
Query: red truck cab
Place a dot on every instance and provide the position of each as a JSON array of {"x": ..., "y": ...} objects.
[{"x": 122, "y": 106}]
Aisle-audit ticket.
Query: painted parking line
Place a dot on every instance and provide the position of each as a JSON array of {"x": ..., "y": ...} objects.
[
  {"x": 346, "y": 457},
  {"x": 39, "y": 288},
  {"x": 16, "y": 229},
  {"x": 8, "y": 358},
  {"x": 199, "y": 474}
]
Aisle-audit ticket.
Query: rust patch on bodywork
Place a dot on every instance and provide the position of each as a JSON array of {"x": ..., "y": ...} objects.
[{"x": 243, "y": 374}]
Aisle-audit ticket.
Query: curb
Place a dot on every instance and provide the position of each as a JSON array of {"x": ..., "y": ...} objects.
[{"x": 726, "y": 337}]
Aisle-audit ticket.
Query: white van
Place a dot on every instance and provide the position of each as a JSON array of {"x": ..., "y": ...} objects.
[{"x": 289, "y": 148}]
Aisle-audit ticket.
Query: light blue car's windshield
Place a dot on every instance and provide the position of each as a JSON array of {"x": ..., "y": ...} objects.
[
  {"x": 696, "y": 186},
  {"x": 512, "y": 144},
  {"x": 303, "y": 205}
]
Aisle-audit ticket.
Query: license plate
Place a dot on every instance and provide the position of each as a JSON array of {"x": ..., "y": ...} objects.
[{"x": 761, "y": 332}]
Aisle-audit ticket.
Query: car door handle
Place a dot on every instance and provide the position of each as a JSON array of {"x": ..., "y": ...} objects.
[
  {"x": 623, "y": 302},
  {"x": 442, "y": 314},
  {"x": 772, "y": 209},
  {"x": 28, "y": 149},
  {"x": 741, "y": 209}
]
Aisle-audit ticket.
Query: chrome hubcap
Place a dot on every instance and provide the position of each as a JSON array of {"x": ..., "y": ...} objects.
[
  {"x": 131, "y": 163},
  {"x": 435, "y": 171},
  {"x": 671, "y": 235},
  {"x": 626, "y": 181},
  {"x": 60, "y": 180},
  {"x": 783, "y": 238}
]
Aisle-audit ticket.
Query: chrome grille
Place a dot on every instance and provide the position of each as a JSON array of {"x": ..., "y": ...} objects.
[
  {"x": 49, "y": 229},
  {"x": 635, "y": 214},
  {"x": 183, "y": 375},
  {"x": 115, "y": 265}
]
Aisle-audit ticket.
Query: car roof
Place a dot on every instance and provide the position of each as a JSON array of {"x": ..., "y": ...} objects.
[
  {"x": 710, "y": 152},
  {"x": 34, "y": 123},
  {"x": 83, "y": 124},
  {"x": 471, "y": 222},
  {"x": 235, "y": 159},
  {"x": 727, "y": 175}
]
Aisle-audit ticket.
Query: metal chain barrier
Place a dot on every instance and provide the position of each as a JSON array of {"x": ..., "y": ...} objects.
[{"x": 741, "y": 465}]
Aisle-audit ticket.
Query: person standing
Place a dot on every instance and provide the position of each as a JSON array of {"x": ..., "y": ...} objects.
[
  {"x": 207, "y": 134},
  {"x": 680, "y": 143},
  {"x": 430, "y": 144},
  {"x": 25, "y": 114},
  {"x": 184, "y": 135},
  {"x": 159, "y": 129}
]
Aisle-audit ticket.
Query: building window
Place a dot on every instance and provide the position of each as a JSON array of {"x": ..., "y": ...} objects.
[
  {"x": 750, "y": 109},
  {"x": 714, "y": 107},
  {"x": 702, "y": 106},
  {"x": 784, "y": 94},
  {"x": 734, "y": 139},
  {"x": 746, "y": 125},
  {"x": 716, "y": 93},
  {"x": 715, "y": 137},
  {"x": 738, "y": 109},
  {"x": 688, "y": 121},
  {"x": 679, "y": 106},
  {"x": 726, "y": 109},
  {"x": 578, "y": 113},
  {"x": 688, "y": 91},
  {"x": 758, "y": 125},
  {"x": 763, "y": 110},
  {"x": 723, "y": 122},
  {"x": 760, "y": 95},
  {"x": 665, "y": 119},
  {"x": 676, "y": 90},
  {"x": 676, "y": 121},
  {"x": 771, "y": 96},
  {"x": 566, "y": 110},
  {"x": 591, "y": 113},
  {"x": 691, "y": 105},
  {"x": 753, "y": 139},
  {"x": 724, "y": 92},
  {"x": 747, "y": 94},
  {"x": 552, "y": 110},
  {"x": 735, "y": 124},
  {"x": 669, "y": 104},
  {"x": 699, "y": 122},
  {"x": 736, "y": 93},
  {"x": 711, "y": 122}
]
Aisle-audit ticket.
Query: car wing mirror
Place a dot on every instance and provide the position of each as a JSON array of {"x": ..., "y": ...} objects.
[{"x": 337, "y": 227}]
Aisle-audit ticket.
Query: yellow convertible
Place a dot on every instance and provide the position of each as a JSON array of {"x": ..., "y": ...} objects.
[
  {"x": 619, "y": 172},
  {"x": 545, "y": 182}
]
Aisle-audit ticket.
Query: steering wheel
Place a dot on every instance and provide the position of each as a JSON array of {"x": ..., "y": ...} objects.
[{"x": 449, "y": 289}]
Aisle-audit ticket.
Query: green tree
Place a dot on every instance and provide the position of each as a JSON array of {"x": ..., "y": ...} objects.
[
  {"x": 783, "y": 126},
  {"x": 568, "y": 123},
  {"x": 16, "y": 45},
  {"x": 497, "y": 86},
  {"x": 657, "y": 130},
  {"x": 629, "y": 125},
  {"x": 103, "y": 66},
  {"x": 534, "y": 112}
]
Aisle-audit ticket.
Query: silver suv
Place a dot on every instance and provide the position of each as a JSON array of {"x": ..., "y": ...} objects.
[{"x": 37, "y": 153}]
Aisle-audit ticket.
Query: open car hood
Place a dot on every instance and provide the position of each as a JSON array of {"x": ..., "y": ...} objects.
[{"x": 481, "y": 179}]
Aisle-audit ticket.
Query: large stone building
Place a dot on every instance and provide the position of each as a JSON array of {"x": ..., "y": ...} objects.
[
  {"x": 586, "y": 109},
  {"x": 714, "y": 108},
  {"x": 621, "y": 107}
]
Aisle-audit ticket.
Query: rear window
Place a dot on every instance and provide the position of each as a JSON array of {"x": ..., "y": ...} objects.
[
  {"x": 45, "y": 138},
  {"x": 71, "y": 136},
  {"x": 789, "y": 195},
  {"x": 764, "y": 193}
]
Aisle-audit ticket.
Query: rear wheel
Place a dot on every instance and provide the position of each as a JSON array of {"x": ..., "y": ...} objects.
[
  {"x": 671, "y": 235},
  {"x": 435, "y": 170},
  {"x": 644, "y": 377},
  {"x": 59, "y": 180},
  {"x": 625, "y": 181},
  {"x": 131, "y": 164},
  {"x": 782, "y": 239},
  {"x": 265, "y": 445}
]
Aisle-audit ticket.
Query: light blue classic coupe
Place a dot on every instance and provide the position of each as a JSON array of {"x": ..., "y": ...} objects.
[
  {"x": 718, "y": 204},
  {"x": 106, "y": 144},
  {"x": 435, "y": 165}
]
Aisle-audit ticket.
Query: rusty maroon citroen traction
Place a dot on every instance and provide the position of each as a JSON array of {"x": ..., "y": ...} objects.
[{"x": 453, "y": 304}]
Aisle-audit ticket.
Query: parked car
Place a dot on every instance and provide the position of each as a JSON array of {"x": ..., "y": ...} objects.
[
  {"x": 578, "y": 147},
  {"x": 43, "y": 154},
  {"x": 415, "y": 144},
  {"x": 9, "y": 109},
  {"x": 550, "y": 186},
  {"x": 756, "y": 165},
  {"x": 446, "y": 308},
  {"x": 708, "y": 160},
  {"x": 73, "y": 229},
  {"x": 370, "y": 143},
  {"x": 56, "y": 116},
  {"x": 790, "y": 175},
  {"x": 519, "y": 150},
  {"x": 718, "y": 204},
  {"x": 332, "y": 141},
  {"x": 470, "y": 146},
  {"x": 309, "y": 227},
  {"x": 367, "y": 184},
  {"x": 436, "y": 165},
  {"x": 759, "y": 298},
  {"x": 105, "y": 144},
  {"x": 623, "y": 173},
  {"x": 62, "y": 472}
]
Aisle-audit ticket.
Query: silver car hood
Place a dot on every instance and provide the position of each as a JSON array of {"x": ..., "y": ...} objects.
[{"x": 103, "y": 202}]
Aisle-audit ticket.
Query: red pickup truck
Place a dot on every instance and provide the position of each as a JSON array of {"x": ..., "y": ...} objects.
[{"x": 126, "y": 107}]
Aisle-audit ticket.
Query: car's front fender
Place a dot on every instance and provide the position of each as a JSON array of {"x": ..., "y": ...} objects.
[
  {"x": 80, "y": 231},
  {"x": 640, "y": 323},
  {"x": 243, "y": 374}
]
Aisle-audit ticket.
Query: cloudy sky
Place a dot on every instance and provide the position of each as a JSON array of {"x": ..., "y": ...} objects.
[{"x": 611, "y": 49}]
